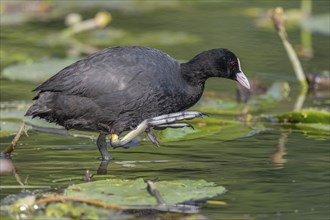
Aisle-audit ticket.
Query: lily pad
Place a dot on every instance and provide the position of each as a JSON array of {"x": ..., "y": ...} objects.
[
  {"x": 306, "y": 116},
  {"x": 217, "y": 106},
  {"x": 225, "y": 129},
  {"x": 12, "y": 118},
  {"x": 313, "y": 123},
  {"x": 8, "y": 128},
  {"x": 81, "y": 211},
  {"x": 134, "y": 192},
  {"x": 117, "y": 199},
  {"x": 35, "y": 72}
]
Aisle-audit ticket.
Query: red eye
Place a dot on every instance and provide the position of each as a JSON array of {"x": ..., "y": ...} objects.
[{"x": 232, "y": 64}]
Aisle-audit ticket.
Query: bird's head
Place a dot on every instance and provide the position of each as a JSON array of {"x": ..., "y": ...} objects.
[
  {"x": 224, "y": 63},
  {"x": 218, "y": 62}
]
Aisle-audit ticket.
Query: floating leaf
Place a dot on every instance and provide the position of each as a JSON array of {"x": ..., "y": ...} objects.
[
  {"x": 225, "y": 129},
  {"x": 8, "y": 128},
  {"x": 110, "y": 198},
  {"x": 17, "y": 114},
  {"x": 134, "y": 192},
  {"x": 305, "y": 116},
  {"x": 35, "y": 72},
  {"x": 11, "y": 120},
  {"x": 24, "y": 203},
  {"x": 81, "y": 211},
  {"x": 216, "y": 105},
  {"x": 313, "y": 123},
  {"x": 317, "y": 131}
]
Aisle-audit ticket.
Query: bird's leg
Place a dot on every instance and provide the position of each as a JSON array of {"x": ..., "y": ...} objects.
[
  {"x": 159, "y": 122},
  {"x": 152, "y": 137},
  {"x": 102, "y": 146},
  {"x": 103, "y": 167}
]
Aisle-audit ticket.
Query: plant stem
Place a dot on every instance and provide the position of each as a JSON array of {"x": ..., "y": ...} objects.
[
  {"x": 13, "y": 144},
  {"x": 278, "y": 21},
  {"x": 89, "y": 201}
]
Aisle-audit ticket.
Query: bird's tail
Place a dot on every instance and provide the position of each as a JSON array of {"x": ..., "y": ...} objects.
[
  {"x": 39, "y": 107},
  {"x": 37, "y": 110}
]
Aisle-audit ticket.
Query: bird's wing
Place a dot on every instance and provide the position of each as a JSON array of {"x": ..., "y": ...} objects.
[{"x": 110, "y": 71}]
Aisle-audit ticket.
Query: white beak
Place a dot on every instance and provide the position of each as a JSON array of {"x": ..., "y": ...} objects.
[{"x": 241, "y": 78}]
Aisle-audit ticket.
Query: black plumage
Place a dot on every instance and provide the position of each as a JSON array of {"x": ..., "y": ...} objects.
[{"x": 115, "y": 89}]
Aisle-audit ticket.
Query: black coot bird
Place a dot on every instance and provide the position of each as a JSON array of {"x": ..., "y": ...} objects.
[{"x": 130, "y": 88}]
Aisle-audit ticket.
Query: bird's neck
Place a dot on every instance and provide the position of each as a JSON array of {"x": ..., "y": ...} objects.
[{"x": 193, "y": 74}]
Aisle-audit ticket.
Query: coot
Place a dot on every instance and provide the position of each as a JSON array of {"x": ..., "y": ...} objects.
[{"x": 130, "y": 88}]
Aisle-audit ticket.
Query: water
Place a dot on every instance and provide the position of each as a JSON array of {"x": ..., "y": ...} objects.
[{"x": 279, "y": 173}]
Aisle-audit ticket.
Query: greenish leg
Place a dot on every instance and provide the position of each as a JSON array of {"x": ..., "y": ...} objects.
[{"x": 102, "y": 146}]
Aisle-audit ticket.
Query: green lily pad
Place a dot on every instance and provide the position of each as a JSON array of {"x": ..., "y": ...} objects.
[
  {"x": 81, "y": 211},
  {"x": 305, "y": 116},
  {"x": 8, "y": 128},
  {"x": 12, "y": 118},
  {"x": 313, "y": 123},
  {"x": 217, "y": 106},
  {"x": 316, "y": 131},
  {"x": 225, "y": 129},
  {"x": 35, "y": 72},
  {"x": 116, "y": 199},
  {"x": 134, "y": 192}
]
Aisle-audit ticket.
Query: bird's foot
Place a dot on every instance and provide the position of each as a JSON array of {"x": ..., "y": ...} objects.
[
  {"x": 152, "y": 137},
  {"x": 169, "y": 121},
  {"x": 159, "y": 122}
]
